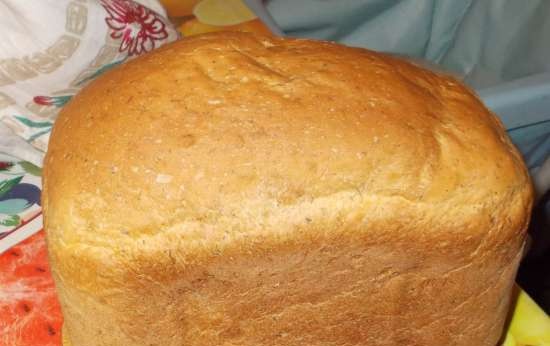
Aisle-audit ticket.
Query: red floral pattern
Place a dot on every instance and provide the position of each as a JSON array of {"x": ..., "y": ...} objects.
[
  {"x": 58, "y": 101},
  {"x": 137, "y": 26},
  {"x": 5, "y": 165}
]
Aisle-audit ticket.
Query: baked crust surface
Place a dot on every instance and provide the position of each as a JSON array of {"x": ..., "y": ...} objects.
[{"x": 233, "y": 189}]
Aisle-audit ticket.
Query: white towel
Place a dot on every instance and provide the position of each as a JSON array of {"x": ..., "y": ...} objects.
[{"x": 50, "y": 49}]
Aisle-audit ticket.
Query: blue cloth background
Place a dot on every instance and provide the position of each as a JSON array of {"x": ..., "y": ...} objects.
[{"x": 499, "y": 47}]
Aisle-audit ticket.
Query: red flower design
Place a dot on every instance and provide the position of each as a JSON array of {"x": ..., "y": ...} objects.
[
  {"x": 42, "y": 100},
  {"x": 137, "y": 26},
  {"x": 5, "y": 165},
  {"x": 58, "y": 101}
]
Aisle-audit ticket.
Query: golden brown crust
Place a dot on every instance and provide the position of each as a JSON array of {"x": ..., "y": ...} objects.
[{"x": 234, "y": 189}]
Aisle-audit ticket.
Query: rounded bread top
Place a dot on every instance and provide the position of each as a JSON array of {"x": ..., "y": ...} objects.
[{"x": 253, "y": 132}]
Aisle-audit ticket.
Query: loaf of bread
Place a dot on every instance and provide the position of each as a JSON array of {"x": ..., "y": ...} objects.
[{"x": 233, "y": 189}]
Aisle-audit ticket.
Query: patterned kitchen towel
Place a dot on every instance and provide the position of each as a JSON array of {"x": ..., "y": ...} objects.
[
  {"x": 20, "y": 210},
  {"x": 50, "y": 49}
]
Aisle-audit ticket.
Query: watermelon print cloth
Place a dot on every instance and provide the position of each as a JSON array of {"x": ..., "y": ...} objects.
[{"x": 29, "y": 311}]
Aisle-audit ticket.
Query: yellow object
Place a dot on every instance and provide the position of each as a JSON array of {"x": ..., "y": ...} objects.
[
  {"x": 510, "y": 340},
  {"x": 179, "y": 8},
  {"x": 194, "y": 27},
  {"x": 530, "y": 325},
  {"x": 223, "y": 12}
]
